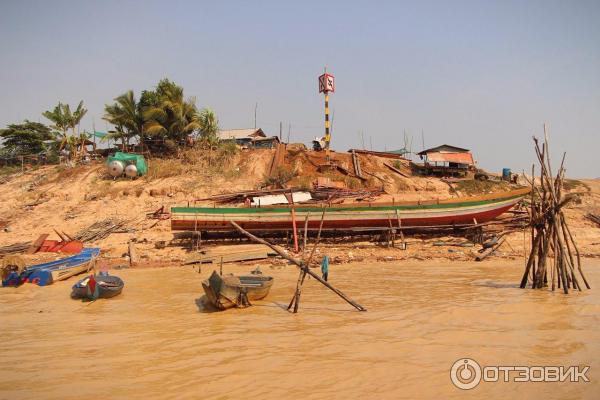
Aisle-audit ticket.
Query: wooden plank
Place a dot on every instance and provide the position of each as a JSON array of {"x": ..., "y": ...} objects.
[
  {"x": 133, "y": 258},
  {"x": 396, "y": 170},
  {"x": 35, "y": 246},
  {"x": 234, "y": 257},
  {"x": 278, "y": 158},
  {"x": 356, "y": 163}
]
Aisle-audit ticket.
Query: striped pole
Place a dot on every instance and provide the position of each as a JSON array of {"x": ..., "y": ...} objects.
[{"x": 327, "y": 134}]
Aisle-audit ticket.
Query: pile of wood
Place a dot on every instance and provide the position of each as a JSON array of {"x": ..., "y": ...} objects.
[
  {"x": 509, "y": 221},
  {"x": 554, "y": 255},
  {"x": 329, "y": 193},
  {"x": 14, "y": 248},
  {"x": 159, "y": 214},
  {"x": 101, "y": 229},
  {"x": 240, "y": 197}
]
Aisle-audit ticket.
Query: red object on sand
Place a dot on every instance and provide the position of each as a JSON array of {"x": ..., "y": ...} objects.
[{"x": 61, "y": 246}]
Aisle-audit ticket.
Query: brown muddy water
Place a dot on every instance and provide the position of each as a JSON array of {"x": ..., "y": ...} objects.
[{"x": 158, "y": 340}]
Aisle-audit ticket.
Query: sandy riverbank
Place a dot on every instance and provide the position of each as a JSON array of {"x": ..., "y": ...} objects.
[{"x": 158, "y": 340}]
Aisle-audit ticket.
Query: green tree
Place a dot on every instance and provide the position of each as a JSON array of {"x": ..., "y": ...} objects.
[
  {"x": 25, "y": 138},
  {"x": 64, "y": 119},
  {"x": 76, "y": 116},
  {"x": 126, "y": 116},
  {"x": 168, "y": 114},
  {"x": 60, "y": 120},
  {"x": 209, "y": 124}
]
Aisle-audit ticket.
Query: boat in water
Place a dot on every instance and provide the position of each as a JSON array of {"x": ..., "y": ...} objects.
[
  {"x": 229, "y": 291},
  {"x": 47, "y": 273},
  {"x": 455, "y": 212},
  {"x": 102, "y": 286}
]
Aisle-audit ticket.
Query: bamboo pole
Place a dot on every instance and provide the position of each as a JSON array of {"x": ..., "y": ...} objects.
[
  {"x": 305, "y": 232},
  {"x": 552, "y": 244},
  {"x": 299, "y": 263}
]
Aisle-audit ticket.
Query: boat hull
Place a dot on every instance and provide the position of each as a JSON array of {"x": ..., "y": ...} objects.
[
  {"x": 444, "y": 213},
  {"x": 107, "y": 287},
  {"x": 47, "y": 273},
  {"x": 224, "y": 293}
]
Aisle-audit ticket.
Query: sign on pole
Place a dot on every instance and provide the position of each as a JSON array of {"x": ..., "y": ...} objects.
[{"x": 326, "y": 83}]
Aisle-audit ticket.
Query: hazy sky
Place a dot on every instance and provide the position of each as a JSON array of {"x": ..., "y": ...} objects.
[{"x": 483, "y": 75}]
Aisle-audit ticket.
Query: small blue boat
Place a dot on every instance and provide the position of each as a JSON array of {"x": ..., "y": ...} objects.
[
  {"x": 47, "y": 273},
  {"x": 101, "y": 286}
]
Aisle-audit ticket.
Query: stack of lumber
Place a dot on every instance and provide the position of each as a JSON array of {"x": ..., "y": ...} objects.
[
  {"x": 233, "y": 253},
  {"x": 14, "y": 248},
  {"x": 101, "y": 229}
]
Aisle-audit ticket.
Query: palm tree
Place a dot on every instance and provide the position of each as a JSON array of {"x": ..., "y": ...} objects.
[
  {"x": 126, "y": 116},
  {"x": 173, "y": 117},
  {"x": 63, "y": 119},
  {"x": 77, "y": 115},
  {"x": 209, "y": 123},
  {"x": 59, "y": 119},
  {"x": 209, "y": 126}
]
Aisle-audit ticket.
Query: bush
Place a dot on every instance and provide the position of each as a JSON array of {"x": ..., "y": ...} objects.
[
  {"x": 226, "y": 151},
  {"x": 164, "y": 168}
]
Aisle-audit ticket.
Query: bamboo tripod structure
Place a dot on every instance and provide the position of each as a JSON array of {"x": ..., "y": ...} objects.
[
  {"x": 304, "y": 269},
  {"x": 550, "y": 232}
]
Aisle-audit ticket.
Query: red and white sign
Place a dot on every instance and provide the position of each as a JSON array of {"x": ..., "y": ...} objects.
[{"x": 326, "y": 83}]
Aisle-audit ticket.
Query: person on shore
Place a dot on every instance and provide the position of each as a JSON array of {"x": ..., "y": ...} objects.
[{"x": 325, "y": 268}]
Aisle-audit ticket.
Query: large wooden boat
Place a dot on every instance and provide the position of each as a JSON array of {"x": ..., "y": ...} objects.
[
  {"x": 225, "y": 292},
  {"x": 356, "y": 216}
]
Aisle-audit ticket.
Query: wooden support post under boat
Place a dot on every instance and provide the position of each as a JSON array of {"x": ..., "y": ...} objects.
[
  {"x": 392, "y": 234},
  {"x": 299, "y": 263},
  {"x": 400, "y": 229}
]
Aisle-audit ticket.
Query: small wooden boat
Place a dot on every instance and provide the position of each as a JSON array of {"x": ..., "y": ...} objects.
[
  {"x": 97, "y": 287},
  {"x": 236, "y": 291},
  {"x": 47, "y": 273}
]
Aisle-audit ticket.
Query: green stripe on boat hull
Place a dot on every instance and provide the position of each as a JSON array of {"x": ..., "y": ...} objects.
[{"x": 448, "y": 213}]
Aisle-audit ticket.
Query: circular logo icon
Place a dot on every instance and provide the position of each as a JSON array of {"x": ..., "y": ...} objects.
[{"x": 465, "y": 373}]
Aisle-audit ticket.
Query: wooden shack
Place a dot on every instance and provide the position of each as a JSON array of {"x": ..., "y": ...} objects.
[
  {"x": 248, "y": 138},
  {"x": 446, "y": 160}
]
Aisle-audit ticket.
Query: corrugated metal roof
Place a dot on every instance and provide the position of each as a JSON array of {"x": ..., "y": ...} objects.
[
  {"x": 240, "y": 133},
  {"x": 460, "y": 158},
  {"x": 262, "y": 139},
  {"x": 444, "y": 148}
]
